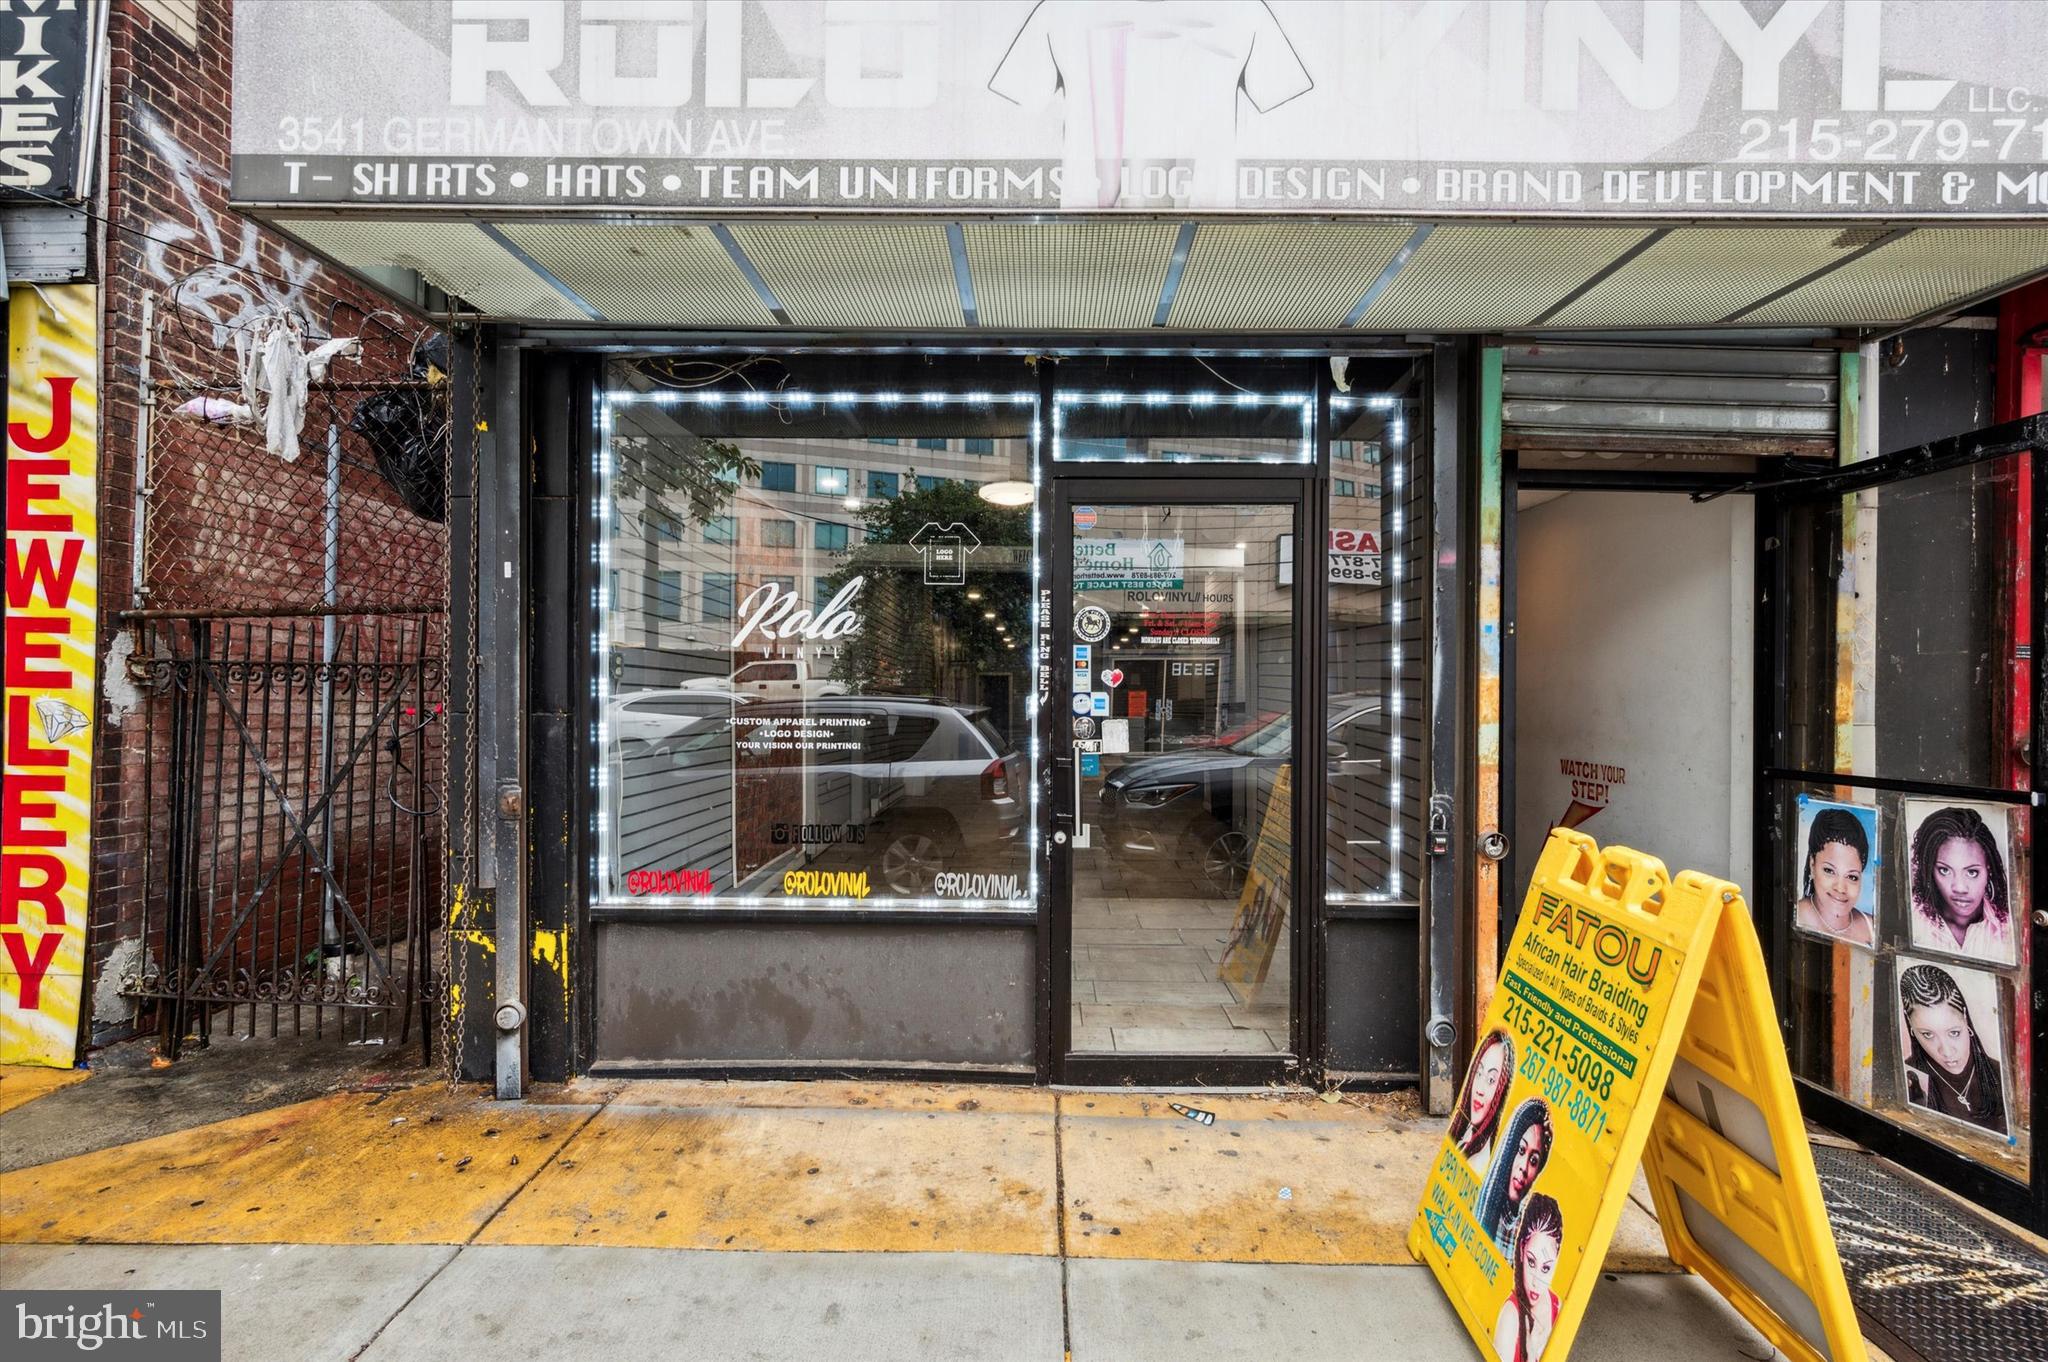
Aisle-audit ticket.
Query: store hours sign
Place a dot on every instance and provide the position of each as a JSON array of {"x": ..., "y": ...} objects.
[{"x": 1630, "y": 108}]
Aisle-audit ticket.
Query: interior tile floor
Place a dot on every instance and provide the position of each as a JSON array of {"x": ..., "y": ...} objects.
[{"x": 1145, "y": 978}]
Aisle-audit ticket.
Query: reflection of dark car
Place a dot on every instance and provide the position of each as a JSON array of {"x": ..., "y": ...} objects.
[
  {"x": 931, "y": 786},
  {"x": 1200, "y": 806}
]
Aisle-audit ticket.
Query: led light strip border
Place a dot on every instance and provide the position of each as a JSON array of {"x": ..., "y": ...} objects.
[
  {"x": 764, "y": 399},
  {"x": 1305, "y": 402},
  {"x": 1392, "y": 549}
]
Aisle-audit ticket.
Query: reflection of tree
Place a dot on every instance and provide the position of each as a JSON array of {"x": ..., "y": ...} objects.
[
  {"x": 669, "y": 469},
  {"x": 930, "y": 640}
]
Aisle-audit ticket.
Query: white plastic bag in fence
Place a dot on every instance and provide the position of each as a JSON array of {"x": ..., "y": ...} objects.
[
  {"x": 215, "y": 411},
  {"x": 276, "y": 373}
]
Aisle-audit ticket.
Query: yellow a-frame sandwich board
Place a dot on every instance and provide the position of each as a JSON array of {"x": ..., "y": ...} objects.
[{"x": 1632, "y": 1025}]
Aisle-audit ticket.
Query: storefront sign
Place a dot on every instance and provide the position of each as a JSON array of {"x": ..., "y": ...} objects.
[
  {"x": 819, "y": 834},
  {"x": 825, "y": 884},
  {"x": 1182, "y": 628},
  {"x": 1129, "y": 564},
  {"x": 668, "y": 882},
  {"x": 1825, "y": 109},
  {"x": 52, "y": 589},
  {"x": 945, "y": 549},
  {"x": 776, "y": 612},
  {"x": 1633, "y": 1021},
  {"x": 952, "y": 884},
  {"x": 1044, "y": 646},
  {"x": 49, "y": 60}
]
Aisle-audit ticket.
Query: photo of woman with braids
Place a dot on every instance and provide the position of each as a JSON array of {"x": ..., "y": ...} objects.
[
  {"x": 1838, "y": 873},
  {"x": 1522, "y": 1331},
  {"x": 1525, "y": 1149},
  {"x": 1952, "y": 1061},
  {"x": 1477, "y": 1119},
  {"x": 1962, "y": 901}
]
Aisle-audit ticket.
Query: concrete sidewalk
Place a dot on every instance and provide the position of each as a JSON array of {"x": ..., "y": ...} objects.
[
  {"x": 423, "y": 1303},
  {"x": 810, "y": 1221}
]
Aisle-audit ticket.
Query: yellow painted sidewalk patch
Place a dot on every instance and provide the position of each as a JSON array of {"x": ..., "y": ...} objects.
[
  {"x": 1270, "y": 1181},
  {"x": 823, "y": 1166},
  {"x": 805, "y": 1167},
  {"x": 1283, "y": 1180},
  {"x": 422, "y": 1166},
  {"x": 24, "y": 1083}
]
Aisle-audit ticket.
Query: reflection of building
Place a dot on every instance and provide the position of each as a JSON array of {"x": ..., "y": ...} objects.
[{"x": 677, "y": 581}]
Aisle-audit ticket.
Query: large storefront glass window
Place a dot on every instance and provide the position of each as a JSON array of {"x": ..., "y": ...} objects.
[
  {"x": 815, "y": 631},
  {"x": 1378, "y": 650},
  {"x": 1906, "y": 908}
]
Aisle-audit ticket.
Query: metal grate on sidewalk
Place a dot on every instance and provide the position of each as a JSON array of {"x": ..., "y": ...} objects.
[{"x": 1942, "y": 1281}]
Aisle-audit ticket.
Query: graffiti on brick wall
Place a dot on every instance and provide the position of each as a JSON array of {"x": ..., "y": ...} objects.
[{"x": 238, "y": 288}]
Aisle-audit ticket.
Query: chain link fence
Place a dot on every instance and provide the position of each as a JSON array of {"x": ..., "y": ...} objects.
[
  {"x": 344, "y": 513},
  {"x": 288, "y": 636}
]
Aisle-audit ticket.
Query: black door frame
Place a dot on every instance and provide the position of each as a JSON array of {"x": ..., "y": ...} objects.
[
  {"x": 2024, "y": 1203},
  {"x": 1183, "y": 484}
]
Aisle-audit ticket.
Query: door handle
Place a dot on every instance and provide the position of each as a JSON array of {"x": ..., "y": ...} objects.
[{"x": 1065, "y": 817}]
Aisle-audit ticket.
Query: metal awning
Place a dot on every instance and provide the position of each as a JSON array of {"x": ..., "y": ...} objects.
[{"x": 1096, "y": 277}]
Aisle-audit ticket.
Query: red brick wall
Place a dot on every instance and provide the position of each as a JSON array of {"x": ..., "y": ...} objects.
[{"x": 231, "y": 526}]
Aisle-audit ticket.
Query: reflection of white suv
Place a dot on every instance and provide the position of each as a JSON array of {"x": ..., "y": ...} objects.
[
  {"x": 652, "y": 716},
  {"x": 775, "y": 680}
]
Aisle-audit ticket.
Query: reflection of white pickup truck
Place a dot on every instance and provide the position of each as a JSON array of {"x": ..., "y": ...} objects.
[{"x": 780, "y": 679}]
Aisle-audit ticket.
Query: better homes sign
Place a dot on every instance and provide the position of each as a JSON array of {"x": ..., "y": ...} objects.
[{"x": 1129, "y": 564}]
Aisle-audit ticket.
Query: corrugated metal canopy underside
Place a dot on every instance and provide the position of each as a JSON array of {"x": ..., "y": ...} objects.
[{"x": 1101, "y": 276}]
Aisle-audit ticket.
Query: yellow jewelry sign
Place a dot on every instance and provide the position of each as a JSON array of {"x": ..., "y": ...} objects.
[
  {"x": 1599, "y": 998},
  {"x": 52, "y": 603}
]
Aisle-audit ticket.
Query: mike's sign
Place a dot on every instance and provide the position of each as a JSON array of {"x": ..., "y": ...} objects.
[
  {"x": 49, "y": 63},
  {"x": 52, "y": 566}
]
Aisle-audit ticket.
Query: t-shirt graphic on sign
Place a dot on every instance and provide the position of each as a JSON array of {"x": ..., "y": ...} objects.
[
  {"x": 1150, "y": 83},
  {"x": 945, "y": 551}
]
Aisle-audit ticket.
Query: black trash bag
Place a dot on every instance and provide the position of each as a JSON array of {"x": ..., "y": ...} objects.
[
  {"x": 430, "y": 358},
  {"x": 403, "y": 430}
]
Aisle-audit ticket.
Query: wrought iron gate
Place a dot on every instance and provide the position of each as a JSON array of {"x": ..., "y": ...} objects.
[{"x": 290, "y": 857}]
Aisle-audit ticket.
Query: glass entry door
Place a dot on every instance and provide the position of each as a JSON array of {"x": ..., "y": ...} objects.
[{"x": 1176, "y": 665}]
